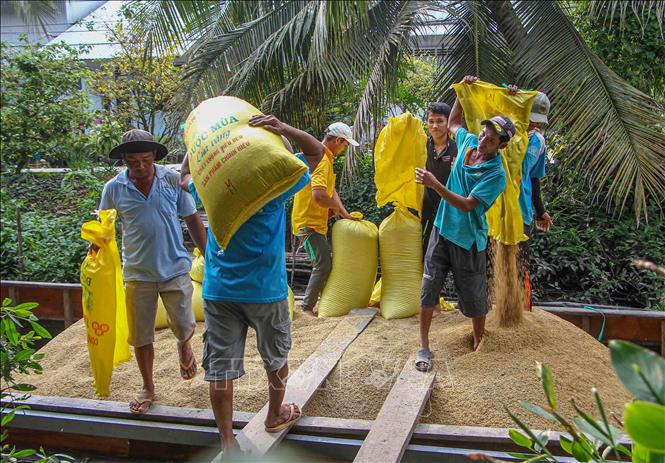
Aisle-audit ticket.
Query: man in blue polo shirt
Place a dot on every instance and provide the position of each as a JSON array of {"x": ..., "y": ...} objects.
[
  {"x": 459, "y": 237},
  {"x": 156, "y": 264},
  {"x": 245, "y": 286}
]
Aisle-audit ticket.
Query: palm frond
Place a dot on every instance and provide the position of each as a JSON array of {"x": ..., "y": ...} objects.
[
  {"x": 30, "y": 11},
  {"x": 607, "y": 10},
  {"x": 618, "y": 130},
  {"x": 477, "y": 47}
]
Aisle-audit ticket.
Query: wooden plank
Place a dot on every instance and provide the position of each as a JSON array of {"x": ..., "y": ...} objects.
[
  {"x": 639, "y": 313},
  {"x": 315, "y": 425},
  {"x": 304, "y": 383},
  {"x": 39, "y": 284},
  {"x": 392, "y": 429}
]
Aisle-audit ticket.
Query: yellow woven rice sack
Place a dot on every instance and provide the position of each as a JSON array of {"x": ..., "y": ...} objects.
[
  {"x": 400, "y": 148},
  {"x": 355, "y": 246},
  {"x": 162, "y": 319},
  {"x": 375, "y": 299},
  {"x": 401, "y": 264},
  {"x": 236, "y": 168},
  {"x": 482, "y": 101},
  {"x": 292, "y": 303},
  {"x": 198, "y": 265}
]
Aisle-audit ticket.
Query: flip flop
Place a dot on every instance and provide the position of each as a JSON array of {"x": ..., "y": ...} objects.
[
  {"x": 290, "y": 420},
  {"x": 424, "y": 360},
  {"x": 186, "y": 367},
  {"x": 140, "y": 403}
]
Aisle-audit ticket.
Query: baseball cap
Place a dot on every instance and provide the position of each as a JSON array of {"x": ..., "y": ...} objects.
[
  {"x": 503, "y": 126},
  {"x": 540, "y": 108},
  {"x": 341, "y": 130}
]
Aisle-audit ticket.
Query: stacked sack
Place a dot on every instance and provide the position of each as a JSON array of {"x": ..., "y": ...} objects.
[
  {"x": 400, "y": 148},
  {"x": 355, "y": 261}
]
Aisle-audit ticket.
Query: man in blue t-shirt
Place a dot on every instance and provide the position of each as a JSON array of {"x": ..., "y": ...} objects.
[
  {"x": 533, "y": 169},
  {"x": 245, "y": 286},
  {"x": 459, "y": 237}
]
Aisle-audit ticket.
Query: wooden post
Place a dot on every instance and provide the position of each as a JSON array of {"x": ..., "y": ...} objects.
[
  {"x": 13, "y": 294},
  {"x": 67, "y": 307},
  {"x": 19, "y": 239}
]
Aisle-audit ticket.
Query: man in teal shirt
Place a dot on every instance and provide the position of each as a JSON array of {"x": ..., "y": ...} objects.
[{"x": 459, "y": 237}]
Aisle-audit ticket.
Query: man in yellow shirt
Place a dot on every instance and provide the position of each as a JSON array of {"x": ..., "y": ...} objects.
[{"x": 314, "y": 205}]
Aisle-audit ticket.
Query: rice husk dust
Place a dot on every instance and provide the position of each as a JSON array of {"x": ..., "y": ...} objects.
[
  {"x": 508, "y": 291},
  {"x": 471, "y": 388}
]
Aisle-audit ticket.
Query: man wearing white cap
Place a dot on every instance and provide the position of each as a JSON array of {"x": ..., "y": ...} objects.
[
  {"x": 533, "y": 169},
  {"x": 314, "y": 205}
]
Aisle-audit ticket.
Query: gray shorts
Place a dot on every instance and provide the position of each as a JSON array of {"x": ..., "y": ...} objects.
[
  {"x": 141, "y": 301},
  {"x": 469, "y": 274},
  {"x": 226, "y": 331}
]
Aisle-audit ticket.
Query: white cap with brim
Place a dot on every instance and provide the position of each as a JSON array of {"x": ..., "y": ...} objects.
[
  {"x": 540, "y": 109},
  {"x": 341, "y": 130}
]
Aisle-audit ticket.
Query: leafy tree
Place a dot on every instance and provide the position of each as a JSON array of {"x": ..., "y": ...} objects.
[
  {"x": 138, "y": 87},
  {"x": 289, "y": 56},
  {"x": 43, "y": 110}
]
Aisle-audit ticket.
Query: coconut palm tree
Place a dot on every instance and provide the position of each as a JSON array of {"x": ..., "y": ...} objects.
[{"x": 289, "y": 57}]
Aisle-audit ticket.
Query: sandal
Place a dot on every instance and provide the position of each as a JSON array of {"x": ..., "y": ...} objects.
[
  {"x": 139, "y": 403},
  {"x": 294, "y": 415},
  {"x": 424, "y": 360},
  {"x": 185, "y": 367}
]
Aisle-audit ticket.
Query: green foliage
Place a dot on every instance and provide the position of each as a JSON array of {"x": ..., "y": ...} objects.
[
  {"x": 630, "y": 46},
  {"x": 587, "y": 254},
  {"x": 361, "y": 195},
  {"x": 137, "y": 88},
  {"x": 43, "y": 110},
  {"x": 590, "y": 439},
  {"x": 18, "y": 356},
  {"x": 53, "y": 208}
]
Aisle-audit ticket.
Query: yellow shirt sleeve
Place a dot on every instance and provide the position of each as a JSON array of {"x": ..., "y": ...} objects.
[{"x": 321, "y": 175}]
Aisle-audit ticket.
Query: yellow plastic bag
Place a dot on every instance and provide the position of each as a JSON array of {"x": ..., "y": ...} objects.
[
  {"x": 375, "y": 299},
  {"x": 103, "y": 301},
  {"x": 482, "y": 101},
  {"x": 401, "y": 264},
  {"x": 400, "y": 148},
  {"x": 355, "y": 246},
  {"x": 236, "y": 168},
  {"x": 198, "y": 266}
]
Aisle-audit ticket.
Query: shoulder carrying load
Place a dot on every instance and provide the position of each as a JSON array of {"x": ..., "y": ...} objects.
[
  {"x": 400, "y": 148},
  {"x": 482, "y": 101},
  {"x": 355, "y": 246},
  {"x": 236, "y": 168},
  {"x": 401, "y": 264},
  {"x": 103, "y": 301}
]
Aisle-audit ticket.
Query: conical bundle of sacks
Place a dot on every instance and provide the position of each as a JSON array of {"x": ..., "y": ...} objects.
[{"x": 355, "y": 246}]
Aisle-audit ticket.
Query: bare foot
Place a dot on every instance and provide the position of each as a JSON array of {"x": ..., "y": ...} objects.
[
  {"x": 187, "y": 360},
  {"x": 437, "y": 311},
  {"x": 142, "y": 402},
  {"x": 288, "y": 413},
  {"x": 477, "y": 341},
  {"x": 230, "y": 449}
]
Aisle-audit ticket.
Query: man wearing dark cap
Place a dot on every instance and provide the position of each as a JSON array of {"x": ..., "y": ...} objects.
[
  {"x": 149, "y": 202},
  {"x": 459, "y": 237}
]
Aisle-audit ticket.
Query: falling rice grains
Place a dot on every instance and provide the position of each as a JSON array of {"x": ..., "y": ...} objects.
[{"x": 508, "y": 292}]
